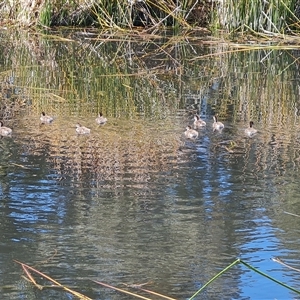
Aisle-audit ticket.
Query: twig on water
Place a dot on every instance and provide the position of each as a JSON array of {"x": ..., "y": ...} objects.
[
  {"x": 139, "y": 286},
  {"x": 121, "y": 290},
  {"x": 26, "y": 268},
  {"x": 278, "y": 260},
  {"x": 288, "y": 213}
]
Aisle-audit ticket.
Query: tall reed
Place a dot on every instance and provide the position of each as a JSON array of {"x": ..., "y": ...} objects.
[
  {"x": 274, "y": 16},
  {"x": 114, "y": 14}
]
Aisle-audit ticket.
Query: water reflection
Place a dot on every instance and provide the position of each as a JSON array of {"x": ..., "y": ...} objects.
[{"x": 135, "y": 201}]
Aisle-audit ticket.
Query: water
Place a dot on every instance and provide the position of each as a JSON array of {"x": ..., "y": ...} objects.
[{"x": 134, "y": 201}]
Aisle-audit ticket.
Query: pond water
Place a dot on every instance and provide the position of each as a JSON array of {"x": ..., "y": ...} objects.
[{"x": 135, "y": 201}]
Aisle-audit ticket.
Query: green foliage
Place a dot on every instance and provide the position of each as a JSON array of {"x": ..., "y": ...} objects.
[{"x": 45, "y": 14}]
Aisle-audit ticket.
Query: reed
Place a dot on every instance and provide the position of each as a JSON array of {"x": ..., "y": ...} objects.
[
  {"x": 267, "y": 17},
  {"x": 270, "y": 17},
  {"x": 45, "y": 14},
  {"x": 126, "y": 14},
  {"x": 55, "y": 284},
  {"x": 118, "y": 14}
]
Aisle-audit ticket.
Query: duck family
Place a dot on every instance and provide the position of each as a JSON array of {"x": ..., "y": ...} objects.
[
  {"x": 46, "y": 119},
  {"x": 199, "y": 123},
  {"x": 101, "y": 120},
  {"x": 217, "y": 125}
]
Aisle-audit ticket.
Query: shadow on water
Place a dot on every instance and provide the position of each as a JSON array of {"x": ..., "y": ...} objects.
[{"x": 135, "y": 201}]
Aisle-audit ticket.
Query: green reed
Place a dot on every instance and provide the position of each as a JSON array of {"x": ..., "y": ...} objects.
[
  {"x": 274, "y": 16},
  {"x": 239, "y": 261}
]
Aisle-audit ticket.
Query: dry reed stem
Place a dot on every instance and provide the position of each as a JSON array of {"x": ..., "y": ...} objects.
[
  {"x": 31, "y": 278},
  {"x": 121, "y": 290},
  {"x": 288, "y": 213},
  {"x": 21, "y": 166},
  {"x": 243, "y": 48},
  {"x": 57, "y": 98},
  {"x": 278, "y": 260},
  {"x": 27, "y": 267},
  {"x": 139, "y": 286},
  {"x": 157, "y": 294}
]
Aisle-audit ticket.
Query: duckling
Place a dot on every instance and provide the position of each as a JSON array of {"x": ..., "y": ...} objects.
[
  {"x": 190, "y": 133},
  {"x": 4, "y": 131},
  {"x": 198, "y": 122},
  {"x": 45, "y": 119},
  {"x": 217, "y": 125},
  {"x": 250, "y": 131},
  {"x": 101, "y": 120},
  {"x": 82, "y": 130}
]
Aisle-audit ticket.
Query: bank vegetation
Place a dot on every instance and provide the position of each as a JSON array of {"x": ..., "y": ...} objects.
[{"x": 267, "y": 17}]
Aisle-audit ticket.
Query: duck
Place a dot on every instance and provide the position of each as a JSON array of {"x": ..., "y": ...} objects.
[
  {"x": 198, "y": 122},
  {"x": 217, "y": 125},
  {"x": 82, "y": 130},
  {"x": 250, "y": 131},
  {"x": 190, "y": 133},
  {"x": 100, "y": 119},
  {"x": 45, "y": 119},
  {"x": 4, "y": 131}
]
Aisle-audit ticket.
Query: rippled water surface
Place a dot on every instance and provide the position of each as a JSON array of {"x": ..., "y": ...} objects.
[{"x": 135, "y": 201}]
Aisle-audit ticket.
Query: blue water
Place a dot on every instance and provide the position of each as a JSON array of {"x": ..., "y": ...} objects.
[{"x": 175, "y": 226}]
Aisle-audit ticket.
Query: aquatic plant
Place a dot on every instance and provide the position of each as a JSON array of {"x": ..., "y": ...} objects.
[
  {"x": 269, "y": 17},
  {"x": 113, "y": 14}
]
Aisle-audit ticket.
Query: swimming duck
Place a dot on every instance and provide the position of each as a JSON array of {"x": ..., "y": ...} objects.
[
  {"x": 217, "y": 125},
  {"x": 198, "y": 122},
  {"x": 250, "y": 131},
  {"x": 100, "y": 119},
  {"x": 190, "y": 133},
  {"x": 82, "y": 130},
  {"x": 4, "y": 131},
  {"x": 45, "y": 119}
]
